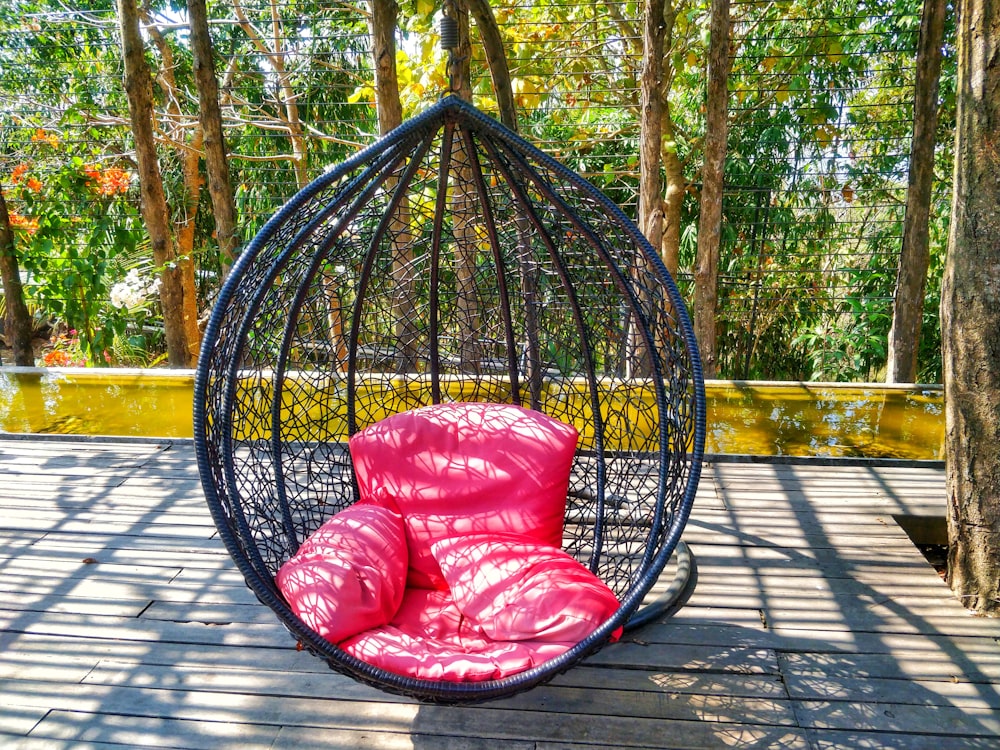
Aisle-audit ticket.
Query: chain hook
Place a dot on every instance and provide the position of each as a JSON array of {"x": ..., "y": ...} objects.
[{"x": 450, "y": 41}]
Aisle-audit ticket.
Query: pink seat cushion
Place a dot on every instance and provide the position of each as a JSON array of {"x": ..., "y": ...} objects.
[
  {"x": 466, "y": 468},
  {"x": 350, "y": 574},
  {"x": 430, "y": 639},
  {"x": 513, "y": 588}
]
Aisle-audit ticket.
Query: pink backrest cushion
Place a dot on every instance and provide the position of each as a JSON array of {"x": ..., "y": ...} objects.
[
  {"x": 466, "y": 468},
  {"x": 350, "y": 574},
  {"x": 514, "y": 588}
]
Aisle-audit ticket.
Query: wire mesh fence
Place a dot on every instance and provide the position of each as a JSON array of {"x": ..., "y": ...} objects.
[{"x": 820, "y": 119}]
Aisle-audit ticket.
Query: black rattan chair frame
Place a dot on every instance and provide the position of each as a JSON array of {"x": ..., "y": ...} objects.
[{"x": 451, "y": 260}]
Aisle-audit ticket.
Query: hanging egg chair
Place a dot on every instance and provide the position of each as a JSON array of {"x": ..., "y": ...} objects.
[{"x": 450, "y": 263}]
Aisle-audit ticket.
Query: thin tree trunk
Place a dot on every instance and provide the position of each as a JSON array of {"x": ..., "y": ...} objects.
[
  {"x": 390, "y": 116},
  {"x": 220, "y": 185},
  {"x": 638, "y": 362},
  {"x": 673, "y": 195},
  {"x": 970, "y": 317},
  {"x": 17, "y": 325},
  {"x": 651, "y": 123},
  {"x": 496, "y": 58},
  {"x": 706, "y": 275},
  {"x": 675, "y": 184},
  {"x": 464, "y": 206},
  {"x": 286, "y": 97},
  {"x": 914, "y": 257},
  {"x": 181, "y": 331}
]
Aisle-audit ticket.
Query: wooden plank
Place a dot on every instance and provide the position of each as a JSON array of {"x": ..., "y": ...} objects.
[
  {"x": 636, "y": 652},
  {"x": 111, "y": 589},
  {"x": 899, "y": 717},
  {"x": 16, "y": 719},
  {"x": 80, "y": 605},
  {"x": 73, "y": 567},
  {"x": 322, "y": 738},
  {"x": 853, "y": 740},
  {"x": 128, "y": 730},
  {"x": 919, "y": 665},
  {"x": 139, "y": 629},
  {"x": 721, "y": 635},
  {"x": 24, "y": 649},
  {"x": 917, "y": 692}
]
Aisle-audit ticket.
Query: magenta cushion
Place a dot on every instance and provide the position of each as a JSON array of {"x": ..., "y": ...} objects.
[
  {"x": 514, "y": 588},
  {"x": 466, "y": 468},
  {"x": 429, "y": 639},
  {"x": 350, "y": 574}
]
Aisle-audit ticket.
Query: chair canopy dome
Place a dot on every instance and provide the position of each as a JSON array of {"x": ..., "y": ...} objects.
[{"x": 450, "y": 261}]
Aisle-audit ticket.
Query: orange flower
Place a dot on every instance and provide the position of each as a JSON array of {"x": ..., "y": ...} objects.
[
  {"x": 27, "y": 224},
  {"x": 34, "y": 184},
  {"x": 109, "y": 182},
  {"x": 18, "y": 173},
  {"x": 56, "y": 358},
  {"x": 115, "y": 180},
  {"x": 41, "y": 135}
]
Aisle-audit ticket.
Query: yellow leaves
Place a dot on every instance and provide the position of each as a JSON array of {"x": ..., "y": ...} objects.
[
  {"x": 526, "y": 92},
  {"x": 825, "y": 135},
  {"x": 425, "y": 8},
  {"x": 692, "y": 59},
  {"x": 363, "y": 93},
  {"x": 835, "y": 51}
]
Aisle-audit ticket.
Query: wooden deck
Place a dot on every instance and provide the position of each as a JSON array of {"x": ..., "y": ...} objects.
[{"x": 815, "y": 624}]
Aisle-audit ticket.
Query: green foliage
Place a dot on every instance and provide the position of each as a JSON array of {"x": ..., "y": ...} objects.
[{"x": 73, "y": 223}]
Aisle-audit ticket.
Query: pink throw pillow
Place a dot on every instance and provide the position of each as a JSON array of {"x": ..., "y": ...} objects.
[
  {"x": 350, "y": 574},
  {"x": 466, "y": 468},
  {"x": 514, "y": 588}
]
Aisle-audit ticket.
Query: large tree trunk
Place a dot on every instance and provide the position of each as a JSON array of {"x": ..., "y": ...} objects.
[
  {"x": 181, "y": 328},
  {"x": 970, "y": 316},
  {"x": 706, "y": 275},
  {"x": 220, "y": 186},
  {"x": 908, "y": 307},
  {"x": 17, "y": 325}
]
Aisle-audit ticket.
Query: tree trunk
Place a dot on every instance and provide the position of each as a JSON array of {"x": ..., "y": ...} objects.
[
  {"x": 464, "y": 204},
  {"x": 914, "y": 257},
  {"x": 17, "y": 325},
  {"x": 673, "y": 195},
  {"x": 383, "y": 30},
  {"x": 496, "y": 58},
  {"x": 389, "y": 108},
  {"x": 706, "y": 275},
  {"x": 286, "y": 97},
  {"x": 220, "y": 186},
  {"x": 651, "y": 123},
  {"x": 673, "y": 170},
  {"x": 181, "y": 331},
  {"x": 970, "y": 317}
]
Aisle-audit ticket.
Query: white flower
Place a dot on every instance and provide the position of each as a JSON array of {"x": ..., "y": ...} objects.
[{"x": 133, "y": 290}]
